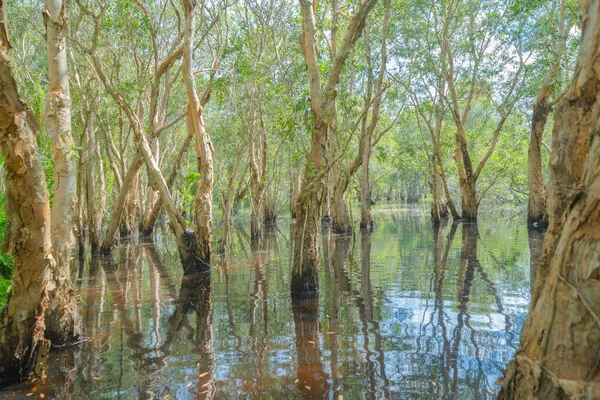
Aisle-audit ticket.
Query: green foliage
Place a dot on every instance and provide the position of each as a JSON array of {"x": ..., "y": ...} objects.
[
  {"x": 5, "y": 284},
  {"x": 6, "y": 261}
]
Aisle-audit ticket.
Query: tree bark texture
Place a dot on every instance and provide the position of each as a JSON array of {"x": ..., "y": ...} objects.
[
  {"x": 340, "y": 218},
  {"x": 258, "y": 164},
  {"x": 439, "y": 210},
  {"x": 22, "y": 321},
  {"x": 203, "y": 146},
  {"x": 62, "y": 319},
  {"x": 558, "y": 354}
]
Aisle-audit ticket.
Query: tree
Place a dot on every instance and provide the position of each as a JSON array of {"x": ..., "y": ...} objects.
[
  {"x": 306, "y": 245},
  {"x": 368, "y": 122},
  {"x": 62, "y": 323},
  {"x": 203, "y": 147},
  {"x": 36, "y": 276},
  {"x": 536, "y": 206},
  {"x": 479, "y": 46},
  {"x": 557, "y": 356}
]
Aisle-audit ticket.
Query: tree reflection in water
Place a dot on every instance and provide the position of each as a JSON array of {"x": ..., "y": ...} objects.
[
  {"x": 409, "y": 311},
  {"x": 195, "y": 298},
  {"x": 312, "y": 380}
]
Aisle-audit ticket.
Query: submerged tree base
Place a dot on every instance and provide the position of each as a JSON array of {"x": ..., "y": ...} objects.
[
  {"x": 306, "y": 285},
  {"x": 195, "y": 266}
]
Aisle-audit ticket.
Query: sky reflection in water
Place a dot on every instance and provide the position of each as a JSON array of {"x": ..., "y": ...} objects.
[{"x": 410, "y": 313}]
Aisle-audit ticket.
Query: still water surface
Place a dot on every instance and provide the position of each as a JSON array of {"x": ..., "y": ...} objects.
[{"x": 410, "y": 313}]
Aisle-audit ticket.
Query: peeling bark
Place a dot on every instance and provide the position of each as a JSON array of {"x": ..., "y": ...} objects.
[
  {"x": 63, "y": 323},
  {"x": 558, "y": 354},
  {"x": 258, "y": 164},
  {"x": 203, "y": 147},
  {"x": 23, "y": 347}
]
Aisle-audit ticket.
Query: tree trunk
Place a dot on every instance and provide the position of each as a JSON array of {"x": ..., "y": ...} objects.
[
  {"x": 22, "y": 342},
  {"x": 270, "y": 210},
  {"x": 63, "y": 323},
  {"x": 451, "y": 206},
  {"x": 226, "y": 225},
  {"x": 90, "y": 187},
  {"x": 184, "y": 239},
  {"x": 439, "y": 210},
  {"x": 306, "y": 244},
  {"x": 366, "y": 220},
  {"x": 467, "y": 180},
  {"x": 228, "y": 200},
  {"x": 295, "y": 183},
  {"x": 152, "y": 196},
  {"x": 152, "y": 216},
  {"x": 120, "y": 205},
  {"x": 305, "y": 276},
  {"x": 128, "y": 222},
  {"x": 79, "y": 223},
  {"x": 558, "y": 354},
  {"x": 257, "y": 162},
  {"x": 203, "y": 147},
  {"x": 257, "y": 188},
  {"x": 536, "y": 206},
  {"x": 340, "y": 222},
  {"x": 535, "y": 237},
  {"x": 102, "y": 189}
]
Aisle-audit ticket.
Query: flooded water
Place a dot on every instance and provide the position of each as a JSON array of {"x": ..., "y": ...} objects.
[{"x": 410, "y": 313}]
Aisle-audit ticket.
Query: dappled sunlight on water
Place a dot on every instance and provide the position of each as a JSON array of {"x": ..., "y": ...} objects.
[{"x": 410, "y": 312}]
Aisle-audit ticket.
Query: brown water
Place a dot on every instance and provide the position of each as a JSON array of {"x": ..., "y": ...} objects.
[{"x": 410, "y": 313}]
